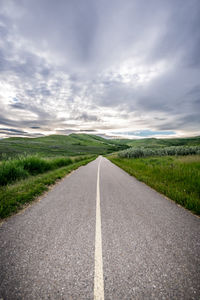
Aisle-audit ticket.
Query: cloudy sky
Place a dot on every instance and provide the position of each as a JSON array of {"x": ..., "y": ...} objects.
[{"x": 118, "y": 67}]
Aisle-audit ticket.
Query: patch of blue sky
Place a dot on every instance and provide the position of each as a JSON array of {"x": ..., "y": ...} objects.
[{"x": 146, "y": 133}]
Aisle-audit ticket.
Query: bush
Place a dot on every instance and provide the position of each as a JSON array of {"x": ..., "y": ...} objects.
[{"x": 145, "y": 152}]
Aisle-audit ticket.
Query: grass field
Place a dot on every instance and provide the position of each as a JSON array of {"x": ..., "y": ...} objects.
[
  {"x": 29, "y": 165},
  {"x": 14, "y": 196},
  {"x": 176, "y": 177},
  {"x": 58, "y": 145}
]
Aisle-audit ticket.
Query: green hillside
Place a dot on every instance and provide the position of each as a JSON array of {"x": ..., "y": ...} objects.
[
  {"x": 155, "y": 143},
  {"x": 58, "y": 145},
  {"x": 80, "y": 144}
]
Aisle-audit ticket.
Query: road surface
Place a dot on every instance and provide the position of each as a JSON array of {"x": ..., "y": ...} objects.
[{"x": 100, "y": 234}]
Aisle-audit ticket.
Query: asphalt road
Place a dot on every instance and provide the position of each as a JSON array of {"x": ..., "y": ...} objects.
[{"x": 141, "y": 244}]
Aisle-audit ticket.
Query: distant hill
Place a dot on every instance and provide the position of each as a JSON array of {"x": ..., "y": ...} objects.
[
  {"x": 155, "y": 143},
  {"x": 81, "y": 144},
  {"x": 56, "y": 145}
]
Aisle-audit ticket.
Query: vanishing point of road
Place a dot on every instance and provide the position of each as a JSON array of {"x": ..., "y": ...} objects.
[{"x": 100, "y": 234}]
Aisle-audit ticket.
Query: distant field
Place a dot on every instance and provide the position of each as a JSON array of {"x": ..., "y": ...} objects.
[
  {"x": 176, "y": 177},
  {"x": 58, "y": 145}
]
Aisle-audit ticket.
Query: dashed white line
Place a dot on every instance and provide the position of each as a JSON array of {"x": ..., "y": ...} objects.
[{"x": 98, "y": 271}]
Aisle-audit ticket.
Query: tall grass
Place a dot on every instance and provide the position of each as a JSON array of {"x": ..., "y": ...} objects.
[
  {"x": 11, "y": 171},
  {"x": 146, "y": 152},
  {"x": 16, "y": 169}
]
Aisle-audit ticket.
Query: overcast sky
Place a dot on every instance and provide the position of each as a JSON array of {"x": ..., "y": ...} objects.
[{"x": 117, "y": 67}]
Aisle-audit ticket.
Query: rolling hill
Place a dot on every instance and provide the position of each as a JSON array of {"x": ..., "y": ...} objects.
[
  {"x": 58, "y": 145},
  {"x": 82, "y": 144}
]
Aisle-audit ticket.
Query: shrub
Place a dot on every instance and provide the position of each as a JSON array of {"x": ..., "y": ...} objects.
[{"x": 145, "y": 152}]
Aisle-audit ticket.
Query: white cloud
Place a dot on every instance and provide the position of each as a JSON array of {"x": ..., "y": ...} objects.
[{"x": 104, "y": 66}]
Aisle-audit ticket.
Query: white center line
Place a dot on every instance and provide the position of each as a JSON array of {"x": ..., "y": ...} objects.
[{"x": 98, "y": 271}]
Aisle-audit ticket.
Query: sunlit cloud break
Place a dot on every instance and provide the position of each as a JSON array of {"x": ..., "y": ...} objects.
[{"x": 113, "y": 68}]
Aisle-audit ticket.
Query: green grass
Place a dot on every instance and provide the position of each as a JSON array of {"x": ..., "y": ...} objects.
[
  {"x": 81, "y": 144},
  {"x": 176, "y": 177},
  {"x": 58, "y": 145},
  {"x": 14, "y": 196}
]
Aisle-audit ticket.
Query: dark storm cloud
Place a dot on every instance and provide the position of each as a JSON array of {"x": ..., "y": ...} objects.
[
  {"x": 15, "y": 132},
  {"x": 109, "y": 63},
  {"x": 88, "y": 130},
  {"x": 12, "y": 130}
]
